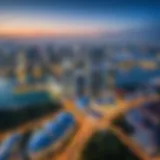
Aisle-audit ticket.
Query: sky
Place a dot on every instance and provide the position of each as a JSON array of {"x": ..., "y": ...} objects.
[{"x": 49, "y": 18}]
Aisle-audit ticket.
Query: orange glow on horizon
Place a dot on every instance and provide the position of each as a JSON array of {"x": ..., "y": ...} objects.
[
  {"x": 26, "y": 32},
  {"x": 36, "y": 26}
]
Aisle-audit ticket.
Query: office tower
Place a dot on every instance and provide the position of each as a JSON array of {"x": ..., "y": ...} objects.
[
  {"x": 98, "y": 71},
  {"x": 21, "y": 67},
  {"x": 81, "y": 81}
]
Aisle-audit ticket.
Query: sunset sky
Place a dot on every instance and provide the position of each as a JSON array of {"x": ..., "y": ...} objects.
[{"x": 75, "y": 18}]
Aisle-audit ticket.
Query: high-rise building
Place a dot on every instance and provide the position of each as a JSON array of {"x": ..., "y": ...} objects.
[
  {"x": 21, "y": 67},
  {"x": 98, "y": 71}
]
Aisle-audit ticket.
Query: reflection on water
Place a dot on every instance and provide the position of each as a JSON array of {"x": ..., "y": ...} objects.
[
  {"x": 23, "y": 103},
  {"x": 6, "y": 96},
  {"x": 9, "y": 98}
]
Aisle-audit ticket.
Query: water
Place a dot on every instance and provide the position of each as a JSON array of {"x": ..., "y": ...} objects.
[
  {"x": 6, "y": 96},
  {"x": 11, "y": 100}
]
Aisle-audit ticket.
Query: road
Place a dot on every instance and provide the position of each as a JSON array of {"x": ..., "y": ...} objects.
[
  {"x": 90, "y": 125},
  {"x": 87, "y": 125}
]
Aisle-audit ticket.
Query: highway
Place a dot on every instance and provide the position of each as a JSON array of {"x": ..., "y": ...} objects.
[
  {"x": 87, "y": 125},
  {"x": 90, "y": 125}
]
